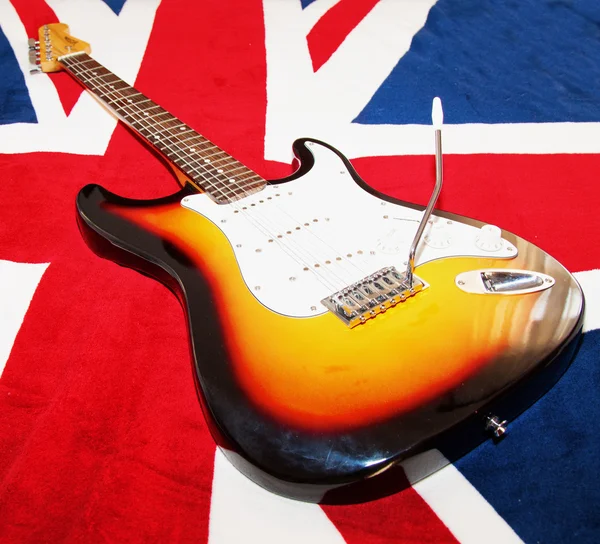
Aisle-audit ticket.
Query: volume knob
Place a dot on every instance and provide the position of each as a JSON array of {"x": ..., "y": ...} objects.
[
  {"x": 438, "y": 235},
  {"x": 489, "y": 238}
]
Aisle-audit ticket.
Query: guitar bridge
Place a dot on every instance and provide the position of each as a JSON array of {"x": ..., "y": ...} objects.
[{"x": 372, "y": 295}]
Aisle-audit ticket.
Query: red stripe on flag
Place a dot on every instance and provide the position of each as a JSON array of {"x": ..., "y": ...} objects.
[
  {"x": 331, "y": 30},
  {"x": 104, "y": 433},
  {"x": 402, "y": 517}
]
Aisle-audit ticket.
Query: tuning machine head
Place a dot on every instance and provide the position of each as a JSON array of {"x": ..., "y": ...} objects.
[
  {"x": 53, "y": 42},
  {"x": 34, "y": 56}
]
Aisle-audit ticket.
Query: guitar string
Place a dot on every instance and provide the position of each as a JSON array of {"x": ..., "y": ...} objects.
[
  {"x": 170, "y": 135},
  {"x": 86, "y": 77},
  {"x": 226, "y": 157},
  {"x": 311, "y": 258},
  {"x": 144, "y": 118},
  {"x": 327, "y": 282},
  {"x": 337, "y": 281}
]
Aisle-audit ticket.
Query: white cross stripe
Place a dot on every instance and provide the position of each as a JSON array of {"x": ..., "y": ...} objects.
[{"x": 18, "y": 282}]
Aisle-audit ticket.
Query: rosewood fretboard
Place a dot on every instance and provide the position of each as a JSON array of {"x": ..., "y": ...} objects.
[{"x": 224, "y": 178}]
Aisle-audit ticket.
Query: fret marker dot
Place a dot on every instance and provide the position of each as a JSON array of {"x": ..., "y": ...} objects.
[
  {"x": 207, "y": 160},
  {"x": 220, "y": 171},
  {"x": 182, "y": 128},
  {"x": 192, "y": 149}
]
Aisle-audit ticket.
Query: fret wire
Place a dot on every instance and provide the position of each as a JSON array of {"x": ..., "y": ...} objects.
[
  {"x": 210, "y": 147},
  {"x": 117, "y": 86},
  {"x": 104, "y": 95},
  {"x": 162, "y": 129}
]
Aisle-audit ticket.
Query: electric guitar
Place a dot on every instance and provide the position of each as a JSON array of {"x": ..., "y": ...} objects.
[{"x": 336, "y": 333}]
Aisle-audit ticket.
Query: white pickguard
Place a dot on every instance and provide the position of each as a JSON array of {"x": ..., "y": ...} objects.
[{"x": 301, "y": 241}]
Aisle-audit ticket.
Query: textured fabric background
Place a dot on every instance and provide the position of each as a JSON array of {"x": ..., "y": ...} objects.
[{"x": 101, "y": 433}]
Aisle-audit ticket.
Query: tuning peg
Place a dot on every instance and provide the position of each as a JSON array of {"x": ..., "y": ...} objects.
[{"x": 31, "y": 43}]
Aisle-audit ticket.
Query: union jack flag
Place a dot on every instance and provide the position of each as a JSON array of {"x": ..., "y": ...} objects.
[{"x": 101, "y": 433}]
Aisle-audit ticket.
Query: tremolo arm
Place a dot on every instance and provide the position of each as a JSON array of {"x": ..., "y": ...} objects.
[{"x": 387, "y": 287}]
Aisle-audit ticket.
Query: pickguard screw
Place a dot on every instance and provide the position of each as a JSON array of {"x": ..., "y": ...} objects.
[
  {"x": 341, "y": 172},
  {"x": 510, "y": 249},
  {"x": 385, "y": 216},
  {"x": 238, "y": 245},
  {"x": 460, "y": 282},
  {"x": 257, "y": 287},
  {"x": 223, "y": 220},
  {"x": 313, "y": 308},
  {"x": 548, "y": 280},
  {"x": 292, "y": 278}
]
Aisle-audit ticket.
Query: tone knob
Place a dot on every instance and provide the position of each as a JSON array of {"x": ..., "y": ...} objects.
[
  {"x": 438, "y": 235},
  {"x": 489, "y": 238},
  {"x": 392, "y": 242}
]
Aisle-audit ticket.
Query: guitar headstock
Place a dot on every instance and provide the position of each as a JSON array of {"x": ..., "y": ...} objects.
[{"x": 53, "y": 41}]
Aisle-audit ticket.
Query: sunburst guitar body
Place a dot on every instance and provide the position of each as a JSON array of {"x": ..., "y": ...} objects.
[
  {"x": 301, "y": 402},
  {"x": 321, "y": 366}
]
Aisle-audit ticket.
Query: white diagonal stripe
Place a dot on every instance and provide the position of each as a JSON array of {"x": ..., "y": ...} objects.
[
  {"x": 241, "y": 511},
  {"x": 118, "y": 41},
  {"x": 468, "y": 516},
  {"x": 321, "y": 105},
  {"x": 363, "y": 61},
  {"x": 18, "y": 282}
]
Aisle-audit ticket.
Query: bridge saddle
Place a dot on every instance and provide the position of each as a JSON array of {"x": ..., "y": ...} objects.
[{"x": 372, "y": 295}]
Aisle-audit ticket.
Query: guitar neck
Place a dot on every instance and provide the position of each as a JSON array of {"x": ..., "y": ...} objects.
[{"x": 210, "y": 168}]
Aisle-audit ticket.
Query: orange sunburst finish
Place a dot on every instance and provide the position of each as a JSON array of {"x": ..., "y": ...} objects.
[{"x": 317, "y": 374}]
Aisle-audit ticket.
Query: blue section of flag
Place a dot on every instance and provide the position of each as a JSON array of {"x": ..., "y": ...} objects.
[
  {"x": 536, "y": 477},
  {"x": 115, "y": 5},
  {"x": 511, "y": 61},
  {"x": 306, "y": 3},
  {"x": 15, "y": 104}
]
